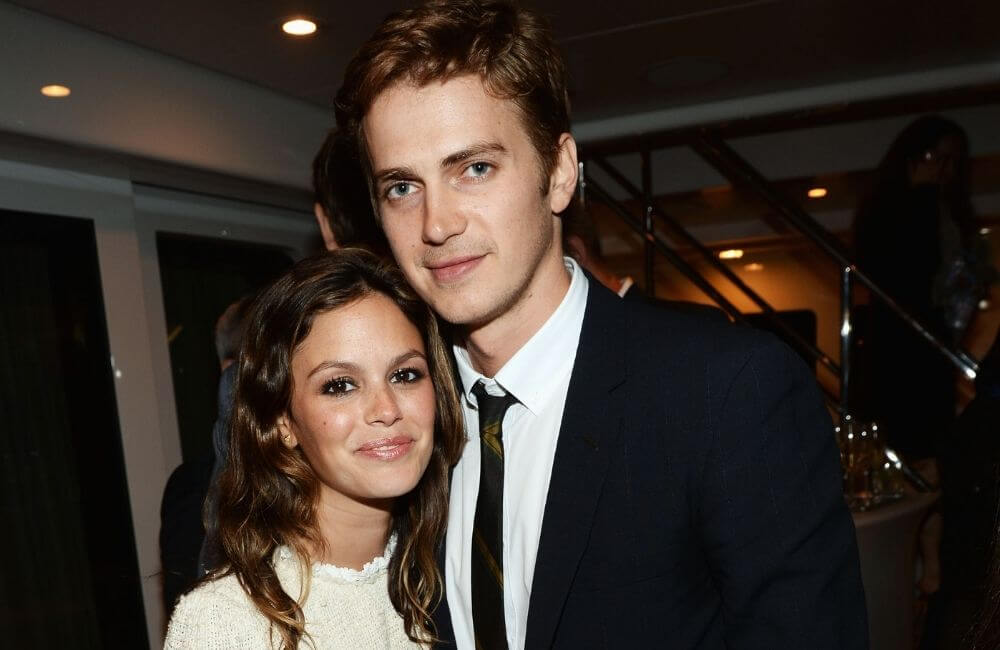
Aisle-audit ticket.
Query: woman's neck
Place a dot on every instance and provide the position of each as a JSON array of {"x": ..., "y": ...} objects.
[{"x": 353, "y": 532}]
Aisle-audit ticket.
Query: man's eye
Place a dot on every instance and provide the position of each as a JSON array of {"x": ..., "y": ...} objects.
[
  {"x": 398, "y": 190},
  {"x": 478, "y": 169},
  {"x": 407, "y": 376},
  {"x": 339, "y": 386}
]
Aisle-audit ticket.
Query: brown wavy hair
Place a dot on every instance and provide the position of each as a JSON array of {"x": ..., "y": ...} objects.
[
  {"x": 510, "y": 49},
  {"x": 268, "y": 493}
]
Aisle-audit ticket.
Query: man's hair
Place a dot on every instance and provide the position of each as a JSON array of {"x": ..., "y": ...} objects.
[
  {"x": 229, "y": 329},
  {"x": 341, "y": 190},
  {"x": 510, "y": 49}
]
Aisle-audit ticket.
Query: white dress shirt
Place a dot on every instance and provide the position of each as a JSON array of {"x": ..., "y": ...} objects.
[{"x": 538, "y": 376}]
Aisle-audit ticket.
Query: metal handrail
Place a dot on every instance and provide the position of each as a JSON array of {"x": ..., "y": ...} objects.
[
  {"x": 739, "y": 171},
  {"x": 654, "y": 242},
  {"x": 812, "y": 350}
]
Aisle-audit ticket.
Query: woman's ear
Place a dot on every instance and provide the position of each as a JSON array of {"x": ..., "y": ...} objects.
[{"x": 286, "y": 432}]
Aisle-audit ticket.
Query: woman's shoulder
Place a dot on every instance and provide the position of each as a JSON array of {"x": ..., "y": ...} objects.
[{"x": 217, "y": 614}]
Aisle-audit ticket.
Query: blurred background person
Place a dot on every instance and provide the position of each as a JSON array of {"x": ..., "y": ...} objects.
[
  {"x": 185, "y": 549},
  {"x": 970, "y": 473},
  {"x": 343, "y": 206},
  {"x": 916, "y": 237}
]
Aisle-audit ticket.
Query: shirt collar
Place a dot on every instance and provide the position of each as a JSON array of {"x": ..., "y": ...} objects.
[
  {"x": 626, "y": 285},
  {"x": 534, "y": 370}
]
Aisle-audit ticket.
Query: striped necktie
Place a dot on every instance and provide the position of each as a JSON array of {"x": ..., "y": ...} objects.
[{"x": 487, "y": 531}]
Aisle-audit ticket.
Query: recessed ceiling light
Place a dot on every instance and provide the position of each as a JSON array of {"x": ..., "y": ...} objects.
[
  {"x": 731, "y": 254},
  {"x": 299, "y": 27},
  {"x": 816, "y": 193},
  {"x": 754, "y": 266},
  {"x": 55, "y": 90},
  {"x": 985, "y": 230}
]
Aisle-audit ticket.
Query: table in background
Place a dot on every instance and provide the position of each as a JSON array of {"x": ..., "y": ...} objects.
[{"x": 887, "y": 540}]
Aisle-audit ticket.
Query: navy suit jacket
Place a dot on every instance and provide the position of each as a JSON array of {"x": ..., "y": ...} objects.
[{"x": 695, "y": 498}]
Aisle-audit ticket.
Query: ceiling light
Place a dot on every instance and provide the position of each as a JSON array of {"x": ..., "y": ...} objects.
[
  {"x": 55, "y": 90},
  {"x": 299, "y": 27},
  {"x": 731, "y": 254},
  {"x": 816, "y": 193},
  {"x": 985, "y": 230},
  {"x": 754, "y": 266}
]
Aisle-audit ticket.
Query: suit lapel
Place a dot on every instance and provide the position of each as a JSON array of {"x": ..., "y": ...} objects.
[{"x": 587, "y": 434}]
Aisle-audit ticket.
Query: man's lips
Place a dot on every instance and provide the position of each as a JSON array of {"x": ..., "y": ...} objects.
[
  {"x": 386, "y": 448},
  {"x": 454, "y": 268}
]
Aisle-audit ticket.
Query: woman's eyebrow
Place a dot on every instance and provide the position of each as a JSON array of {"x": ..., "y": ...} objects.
[
  {"x": 325, "y": 365},
  {"x": 406, "y": 356}
]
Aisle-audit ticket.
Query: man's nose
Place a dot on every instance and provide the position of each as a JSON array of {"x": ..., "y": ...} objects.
[{"x": 443, "y": 216}]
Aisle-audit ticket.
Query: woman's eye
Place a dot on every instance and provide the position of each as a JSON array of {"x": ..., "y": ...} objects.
[
  {"x": 398, "y": 190},
  {"x": 478, "y": 169},
  {"x": 339, "y": 386},
  {"x": 407, "y": 376}
]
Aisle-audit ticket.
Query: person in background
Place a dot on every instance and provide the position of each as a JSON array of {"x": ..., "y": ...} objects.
[
  {"x": 582, "y": 242},
  {"x": 916, "y": 237},
  {"x": 970, "y": 550},
  {"x": 639, "y": 477},
  {"x": 342, "y": 205},
  {"x": 345, "y": 424},
  {"x": 185, "y": 546}
]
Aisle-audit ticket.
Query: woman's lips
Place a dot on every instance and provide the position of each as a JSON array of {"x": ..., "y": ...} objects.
[
  {"x": 386, "y": 448},
  {"x": 454, "y": 269}
]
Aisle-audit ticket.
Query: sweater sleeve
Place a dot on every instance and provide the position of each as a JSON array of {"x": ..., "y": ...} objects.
[{"x": 213, "y": 617}]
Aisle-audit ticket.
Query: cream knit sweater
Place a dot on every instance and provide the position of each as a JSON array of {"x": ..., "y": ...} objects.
[{"x": 344, "y": 610}]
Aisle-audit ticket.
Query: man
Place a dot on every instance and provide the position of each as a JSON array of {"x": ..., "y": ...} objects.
[
  {"x": 341, "y": 203},
  {"x": 658, "y": 479}
]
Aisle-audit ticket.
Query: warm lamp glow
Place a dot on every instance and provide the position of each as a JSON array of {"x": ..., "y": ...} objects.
[
  {"x": 731, "y": 254},
  {"x": 754, "y": 266},
  {"x": 55, "y": 90},
  {"x": 299, "y": 27},
  {"x": 816, "y": 193}
]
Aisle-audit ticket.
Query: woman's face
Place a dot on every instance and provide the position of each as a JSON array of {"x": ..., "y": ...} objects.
[
  {"x": 938, "y": 165},
  {"x": 362, "y": 406}
]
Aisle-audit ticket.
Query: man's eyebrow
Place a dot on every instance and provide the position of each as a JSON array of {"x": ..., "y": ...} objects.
[
  {"x": 395, "y": 174},
  {"x": 472, "y": 151}
]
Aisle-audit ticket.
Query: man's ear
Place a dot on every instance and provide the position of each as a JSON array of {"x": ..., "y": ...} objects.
[
  {"x": 288, "y": 437},
  {"x": 562, "y": 181},
  {"x": 329, "y": 241}
]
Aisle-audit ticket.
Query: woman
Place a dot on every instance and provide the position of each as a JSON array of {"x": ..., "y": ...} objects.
[
  {"x": 916, "y": 237},
  {"x": 345, "y": 422}
]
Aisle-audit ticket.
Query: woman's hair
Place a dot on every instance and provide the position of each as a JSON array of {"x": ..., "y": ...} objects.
[
  {"x": 268, "y": 493},
  {"x": 892, "y": 178}
]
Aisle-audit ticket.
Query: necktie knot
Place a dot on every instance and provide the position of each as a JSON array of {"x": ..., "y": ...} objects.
[{"x": 492, "y": 408}]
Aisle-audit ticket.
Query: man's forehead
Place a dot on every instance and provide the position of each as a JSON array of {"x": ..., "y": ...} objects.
[{"x": 440, "y": 116}]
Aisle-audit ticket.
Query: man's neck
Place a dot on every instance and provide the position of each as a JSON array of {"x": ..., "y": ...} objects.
[{"x": 491, "y": 345}]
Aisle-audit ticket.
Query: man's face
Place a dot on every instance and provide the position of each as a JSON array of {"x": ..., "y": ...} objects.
[{"x": 462, "y": 199}]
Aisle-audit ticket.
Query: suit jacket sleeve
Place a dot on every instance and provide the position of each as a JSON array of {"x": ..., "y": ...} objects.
[{"x": 778, "y": 537}]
